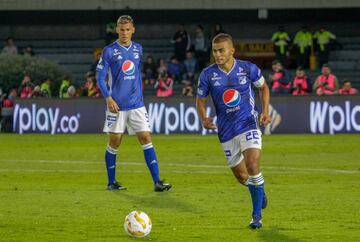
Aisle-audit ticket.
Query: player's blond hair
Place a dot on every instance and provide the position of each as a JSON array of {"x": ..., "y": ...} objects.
[
  {"x": 124, "y": 19},
  {"x": 222, "y": 37}
]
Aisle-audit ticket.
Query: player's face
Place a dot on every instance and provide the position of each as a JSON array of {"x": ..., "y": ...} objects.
[
  {"x": 125, "y": 32},
  {"x": 223, "y": 52}
]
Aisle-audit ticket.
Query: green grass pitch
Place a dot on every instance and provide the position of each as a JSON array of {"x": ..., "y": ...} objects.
[{"x": 52, "y": 188}]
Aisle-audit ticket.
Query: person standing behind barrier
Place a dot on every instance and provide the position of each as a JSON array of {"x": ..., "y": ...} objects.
[
  {"x": 301, "y": 83},
  {"x": 281, "y": 40},
  {"x": 303, "y": 43},
  {"x": 347, "y": 89},
  {"x": 326, "y": 83},
  {"x": 322, "y": 43},
  {"x": 164, "y": 85},
  {"x": 45, "y": 87},
  {"x": 26, "y": 88},
  {"x": 279, "y": 79},
  {"x": 201, "y": 46},
  {"x": 182, "y": 42}
]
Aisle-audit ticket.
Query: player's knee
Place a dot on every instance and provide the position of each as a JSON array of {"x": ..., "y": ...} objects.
[
  {"x": 242, "y": 177},
  {"x": 114, "y": 142},
  {"x": 144, "y": 138}
]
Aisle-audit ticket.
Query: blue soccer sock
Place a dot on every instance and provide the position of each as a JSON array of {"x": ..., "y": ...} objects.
[
  {"x": 256, "y": 188},
  {"x": 151, "y": 161},
  {"x": 110, "y": 160}
]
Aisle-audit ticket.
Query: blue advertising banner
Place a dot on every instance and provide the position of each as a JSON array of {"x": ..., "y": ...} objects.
[{"x": 330, "y": 114}]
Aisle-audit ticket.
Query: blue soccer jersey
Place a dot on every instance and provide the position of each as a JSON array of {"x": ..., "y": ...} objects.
[
  {"x": 122, "y": 64},
  {"x": 233, "y": 97}
]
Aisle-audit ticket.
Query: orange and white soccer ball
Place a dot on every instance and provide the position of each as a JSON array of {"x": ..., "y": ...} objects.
[{"x": 137, "y": 224}]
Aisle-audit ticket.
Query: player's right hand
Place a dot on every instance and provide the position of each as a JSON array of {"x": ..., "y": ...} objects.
[
  {"x": 112, "y": 105},
  {"x": 208, "y": 123}
]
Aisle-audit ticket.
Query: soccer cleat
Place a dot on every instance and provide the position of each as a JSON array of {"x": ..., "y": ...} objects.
[
  {"x": 160, "y": 186},
  {"x": 265, "y": 201},
  {"x": 115, "y": 186},
  {"x": 255, "y": 222}
]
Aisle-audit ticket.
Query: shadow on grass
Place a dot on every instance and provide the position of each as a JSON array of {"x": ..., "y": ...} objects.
[
  {"x": 274, "y": 234},
  {"x": 163, "y": 200}
]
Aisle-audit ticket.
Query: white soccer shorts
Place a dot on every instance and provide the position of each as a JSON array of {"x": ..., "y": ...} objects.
[
  {"x": 135, "y": 120},
  {"x": 233, "y": 148}
]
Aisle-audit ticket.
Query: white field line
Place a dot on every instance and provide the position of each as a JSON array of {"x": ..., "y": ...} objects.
[{"x": 272, "y": 168}]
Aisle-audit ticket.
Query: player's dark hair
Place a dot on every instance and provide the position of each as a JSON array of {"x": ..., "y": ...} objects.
[{"x": 221, "y": 38}]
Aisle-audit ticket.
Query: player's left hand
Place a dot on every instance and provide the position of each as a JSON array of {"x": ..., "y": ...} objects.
[{"x": 265, "y": 119}]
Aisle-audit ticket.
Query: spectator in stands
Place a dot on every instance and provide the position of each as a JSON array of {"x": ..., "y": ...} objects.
[
  {"x": 162, "y": 66},
  {"x": 281, "y": 41},
  {"x": 181, "y": 41},
  {"x": 301, "y": 82},
  {"x": 8, "y": 102},
  {"x": 71, "y": 92},
  {"x": 326, "y": 83},
  {"x": 28, "y": 50},
  {"x": 10, "y": 47},
  {"x": 279, "y": 79},
  {"x": 91, "y": 88},
  {"x": 26, "y": 87},
  {"x": 217, "y": 29},
  {"x": 323, "y": 39},
  {"x": 37, "y": 92},
  {"x": 201, "y": 46},
  {"x": 188, "y": 88},
  {"x": 303, "y": 43},
  {"x": 164, "y": 85},
  {"x": 347, "y": 89},
  {"x": 190, "y": 65},
  {"x": 149, "y": 70},
  {"x": 65, "y": 84},
  {"x": 175, "y": 69},
  {"x": 46, "y": 88}
]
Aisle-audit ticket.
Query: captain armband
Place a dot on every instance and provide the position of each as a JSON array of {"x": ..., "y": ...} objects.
[{"x": 259, "y": 82}]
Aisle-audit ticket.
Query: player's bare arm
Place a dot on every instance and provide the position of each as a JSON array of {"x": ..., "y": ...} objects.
[
  {"x": 265, "y": 100},
  {"x": 207, "y": 122}
]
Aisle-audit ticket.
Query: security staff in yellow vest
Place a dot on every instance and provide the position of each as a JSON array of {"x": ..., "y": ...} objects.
[
  {"x": 322, "y": 40},
  {"x": 281, "y": 40},
  {"x": 303, "y": 43}
]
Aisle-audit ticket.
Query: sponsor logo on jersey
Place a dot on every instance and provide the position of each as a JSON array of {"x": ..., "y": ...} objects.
[
  {"x": 231, "y": 98},
  {"x": 215, "y": 77},
  {"x": 128, "y": 67}
]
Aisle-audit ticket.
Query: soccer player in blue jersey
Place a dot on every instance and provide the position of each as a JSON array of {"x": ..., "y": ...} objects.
[
  {"x": 121, "y": 62},
  {"x": 229, "y": 82}
]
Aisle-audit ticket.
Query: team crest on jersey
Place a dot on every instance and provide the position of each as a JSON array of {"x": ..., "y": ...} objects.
[
  {"x": 128, "y": 67},
  {"x": 231, "y": 98},
  {"x": 242, "y": 80},
  {"x": 136, "y": 55}
]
